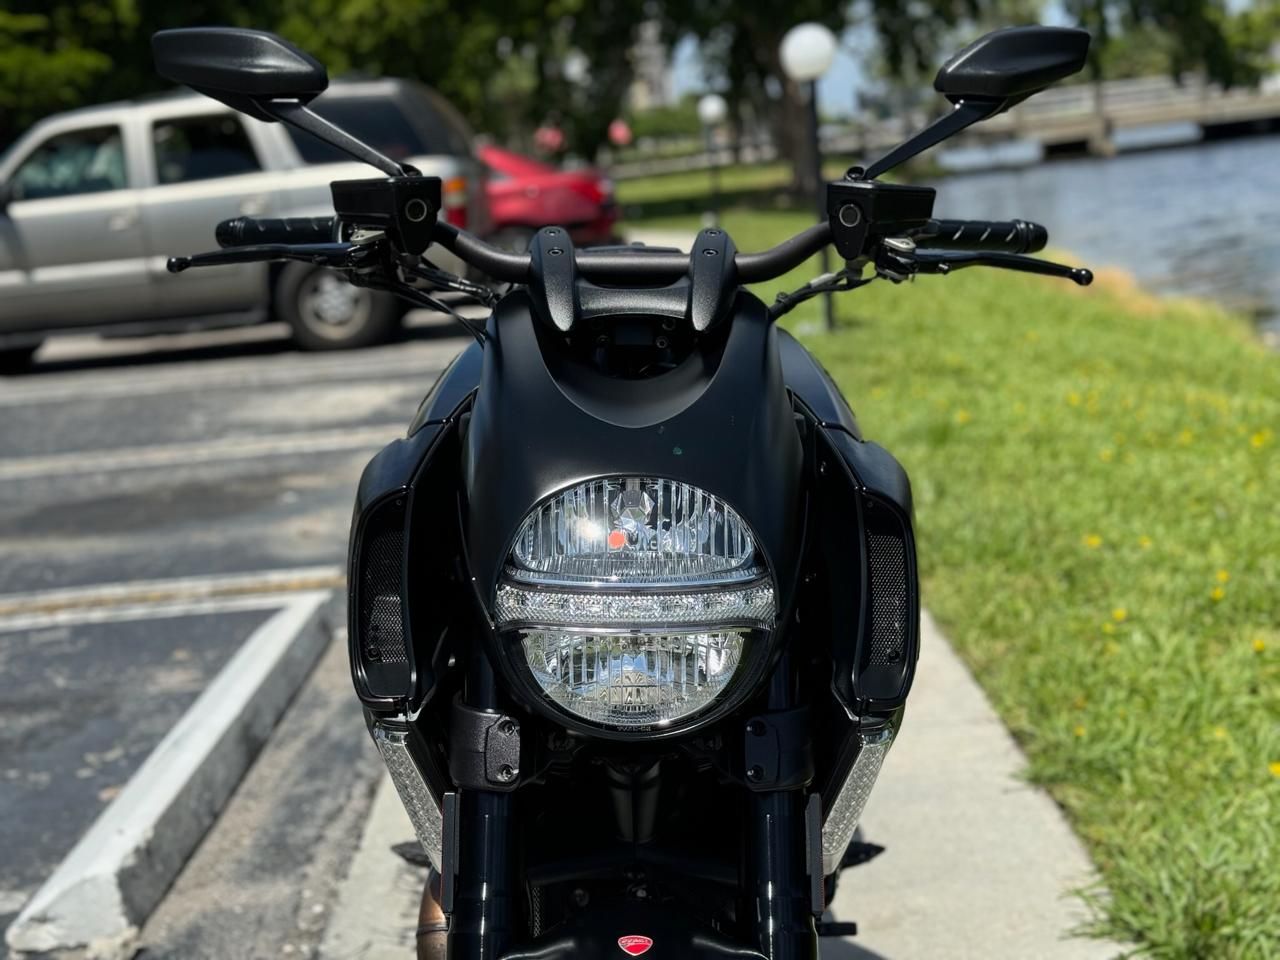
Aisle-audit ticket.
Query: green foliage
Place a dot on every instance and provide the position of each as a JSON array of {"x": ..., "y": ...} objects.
[
  {"x": 678, "y": 120},
  {"x": 1095, "y": 492}
]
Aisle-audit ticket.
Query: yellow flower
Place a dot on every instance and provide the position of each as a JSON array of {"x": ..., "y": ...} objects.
[
  {"x": 1093, "y": 541},
  {"x": 1259, "y": 439},
  {"x": 1185, "y": 437},
  {"x": 1079, "y": 732},
  {"x": 1217, "y": 593},
  {"x": 1144, "y": 542},
  {"x": 1274, "y": 767},
  {"x": 1222, "y": 576},
  {"x": 1258, "y": 644},
  {"x": 963, "y": 417},
  {"x": 1073, "y": 398},
  {"x": 1108, "y": 627},
  {"x": 1079, "y": 702},
  {"x": 1107, "y": 455},
  {"x": 1119, "y": 614},
  {"x": 1219, "y": 733}
]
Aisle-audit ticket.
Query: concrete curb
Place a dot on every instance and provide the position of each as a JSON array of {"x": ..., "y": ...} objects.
[
  {"x": 376, "y": 914},
  {"x": 97, "y": 898}
]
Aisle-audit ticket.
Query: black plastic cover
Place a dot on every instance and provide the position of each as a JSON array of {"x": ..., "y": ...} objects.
[
  {"x": 1013, "y": 63},
  {"x": 863, "y": 211},
  {"x": 239, "y": 67},
  {"x": 405, "y": 208}
]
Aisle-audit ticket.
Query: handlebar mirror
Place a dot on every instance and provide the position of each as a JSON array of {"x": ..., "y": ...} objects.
[
  {"x": 245, "y": 69},
  {"x": 1010, "y": 65}
]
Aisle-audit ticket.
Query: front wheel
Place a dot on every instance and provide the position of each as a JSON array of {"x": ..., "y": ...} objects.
[{"x": 326, "y": 312}]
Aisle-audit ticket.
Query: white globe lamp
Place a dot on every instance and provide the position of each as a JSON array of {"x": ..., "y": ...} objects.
[{"x": 807, "y": 51}]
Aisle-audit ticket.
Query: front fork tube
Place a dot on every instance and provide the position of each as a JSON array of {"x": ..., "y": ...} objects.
[
  {"x": 779, "y": 873},
  {"x": 482, "y": 917}
]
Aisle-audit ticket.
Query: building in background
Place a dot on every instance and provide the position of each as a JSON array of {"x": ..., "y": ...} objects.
[{"x": 651, "y": 59}]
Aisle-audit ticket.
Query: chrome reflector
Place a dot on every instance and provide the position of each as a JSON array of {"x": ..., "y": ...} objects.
[
  {"x": 842, "y": 819},
  {"x": 419, "y": 803}
]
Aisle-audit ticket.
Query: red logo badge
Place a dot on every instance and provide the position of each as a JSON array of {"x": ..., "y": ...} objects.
[{"x": 635, "y": 944}]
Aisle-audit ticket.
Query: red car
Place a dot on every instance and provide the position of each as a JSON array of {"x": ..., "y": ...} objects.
[{"x": 525, "y": 195}]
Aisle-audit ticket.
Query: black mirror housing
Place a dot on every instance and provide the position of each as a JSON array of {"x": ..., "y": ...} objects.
[
  {"x": 1010, "y": 65},
  {"x": 244, "y": 69}
]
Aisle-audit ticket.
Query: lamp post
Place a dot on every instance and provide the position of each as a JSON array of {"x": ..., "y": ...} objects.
[
  {"x": 807, "y": 52},
  {"x": 712, "y": 111}
]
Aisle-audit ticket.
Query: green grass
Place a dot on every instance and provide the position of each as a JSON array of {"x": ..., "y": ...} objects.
[
  {"x": 696, "y": 184},
  {"x": 1096, "y": 477}
]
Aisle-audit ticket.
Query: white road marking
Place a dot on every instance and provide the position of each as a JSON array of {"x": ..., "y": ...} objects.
[
  {"x": 103, "y": 890},
  {"x": 191, "y": 378},
  {"x": 75, "y": 463}
]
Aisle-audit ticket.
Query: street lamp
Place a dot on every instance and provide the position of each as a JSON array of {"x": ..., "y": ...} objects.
[
  {"x": 806, "y": 53},
  {"x": 712, "y": 111}
]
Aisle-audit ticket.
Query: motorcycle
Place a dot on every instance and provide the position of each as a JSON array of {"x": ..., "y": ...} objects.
[{"x": 633, "y": 606}]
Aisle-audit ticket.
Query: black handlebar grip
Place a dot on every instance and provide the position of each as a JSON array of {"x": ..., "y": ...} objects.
[
  {"x": 248, "y": 232},
  {"x": 1000, "y": 236}
]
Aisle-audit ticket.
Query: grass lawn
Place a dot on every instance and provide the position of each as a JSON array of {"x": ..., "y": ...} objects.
[
  {"x": 696, "y": 184},
  {"x": 1096, "y": 476}
]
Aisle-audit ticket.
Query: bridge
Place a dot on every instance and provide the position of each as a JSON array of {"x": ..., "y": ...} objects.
[{"x": 1086, "y": 115}]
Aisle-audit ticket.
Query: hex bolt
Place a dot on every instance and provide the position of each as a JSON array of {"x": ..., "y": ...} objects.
[
  {"x": 755, "y": 774},
  {"x": 756, "y": 728},
  {"x": 506, "y": 773},
  {"x": 552, "y": 232},
  {"x": 507, "y": 727},
  {"x": 580, "y": 897},
  {"x": 661, "y": 343},
  {"x": 710, "y": 252},
  {"x": 556, "y": 251}
]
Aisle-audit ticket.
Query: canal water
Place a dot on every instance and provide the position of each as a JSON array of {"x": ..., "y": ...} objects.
[{"x": 1201, "y": 220}]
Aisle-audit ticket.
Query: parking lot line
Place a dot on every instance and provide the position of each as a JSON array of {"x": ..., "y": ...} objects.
[
  {"x": 76, "y": 463},
  {"x": 98, "y": 896}
]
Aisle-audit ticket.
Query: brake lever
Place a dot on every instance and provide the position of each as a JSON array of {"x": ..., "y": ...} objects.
[
  {"x": 945, "y": 261},
  {"x": 339, "y": 255}
]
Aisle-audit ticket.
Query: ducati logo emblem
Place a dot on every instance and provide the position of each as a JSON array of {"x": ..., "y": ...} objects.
[{"x": 635, "y": 944}]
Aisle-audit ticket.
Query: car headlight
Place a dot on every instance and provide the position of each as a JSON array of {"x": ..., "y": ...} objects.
[{"x": 636, "y": 602}]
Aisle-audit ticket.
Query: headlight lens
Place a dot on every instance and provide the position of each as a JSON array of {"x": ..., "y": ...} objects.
[
  {"x": 635, "y": 601},
  {"x": 632, "y": 680}
]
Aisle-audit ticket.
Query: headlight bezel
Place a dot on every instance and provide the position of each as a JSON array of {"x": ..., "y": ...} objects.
[{"x": 759, "y": 634}]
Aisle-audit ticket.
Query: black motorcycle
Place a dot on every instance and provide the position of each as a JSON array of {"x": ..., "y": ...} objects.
[{"x": 633, "y": 606}]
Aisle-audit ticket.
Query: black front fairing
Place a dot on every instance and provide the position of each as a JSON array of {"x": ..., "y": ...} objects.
[{"x": 543, "y": 420}]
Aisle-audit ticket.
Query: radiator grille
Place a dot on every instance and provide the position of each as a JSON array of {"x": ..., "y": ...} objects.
[
  {"x": 889, "y": 602},
  {"x": 382, "y": 558}
]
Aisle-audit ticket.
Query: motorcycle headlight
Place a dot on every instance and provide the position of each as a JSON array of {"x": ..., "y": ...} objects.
[{"x": 636, "y": 602}]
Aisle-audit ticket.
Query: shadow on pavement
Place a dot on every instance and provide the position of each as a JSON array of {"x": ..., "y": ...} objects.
[{"x": 848, "y": 950}]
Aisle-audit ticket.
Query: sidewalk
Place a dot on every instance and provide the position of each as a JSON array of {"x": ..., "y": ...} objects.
[{"x": 977, "y": 863}]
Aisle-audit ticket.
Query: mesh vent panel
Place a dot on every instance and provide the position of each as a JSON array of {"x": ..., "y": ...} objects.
[
  {"x": 381, "y": 622},
  {"x": 887, "y": 557}
]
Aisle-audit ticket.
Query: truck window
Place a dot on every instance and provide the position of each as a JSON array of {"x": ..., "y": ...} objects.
[
  {"x": 67, "y": 164},
  {"x": 201, "y": 148},
  {"x": 383, "y": 124}
]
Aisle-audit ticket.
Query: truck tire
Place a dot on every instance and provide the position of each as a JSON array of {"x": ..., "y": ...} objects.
[{"x": 325, "y": 312}]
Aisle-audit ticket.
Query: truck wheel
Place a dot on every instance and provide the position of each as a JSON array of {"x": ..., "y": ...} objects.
[
  {"x": 17, "y": 359},
  {"x": 327, "y": 313}
]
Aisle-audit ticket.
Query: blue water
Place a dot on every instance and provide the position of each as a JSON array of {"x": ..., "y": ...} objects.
[{"x": 1202, "y": 220}]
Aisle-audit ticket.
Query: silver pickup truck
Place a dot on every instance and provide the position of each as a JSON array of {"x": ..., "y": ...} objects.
[{"x": 93, "y": 202}]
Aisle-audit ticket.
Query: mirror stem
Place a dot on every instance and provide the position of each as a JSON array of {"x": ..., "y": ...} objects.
[
  {"x": 966, "y": 113},
  {"x": 301, "y": 116}
]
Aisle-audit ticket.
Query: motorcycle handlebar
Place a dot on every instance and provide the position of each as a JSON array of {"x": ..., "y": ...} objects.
[
  {"x": 636, "y": 264},
  {"x": 985, "y": 236},
  {"x": 633, "y": 264},
  {"x": 251, "y": 232}
]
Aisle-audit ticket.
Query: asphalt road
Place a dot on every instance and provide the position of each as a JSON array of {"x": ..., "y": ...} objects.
[{"x": 182, "y": 457}]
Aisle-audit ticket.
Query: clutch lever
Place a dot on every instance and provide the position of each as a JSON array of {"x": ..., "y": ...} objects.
[{"x": 339, "y": 255}]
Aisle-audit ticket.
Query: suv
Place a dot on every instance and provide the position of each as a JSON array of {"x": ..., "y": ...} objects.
[{"x": 93, "y": 202}]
